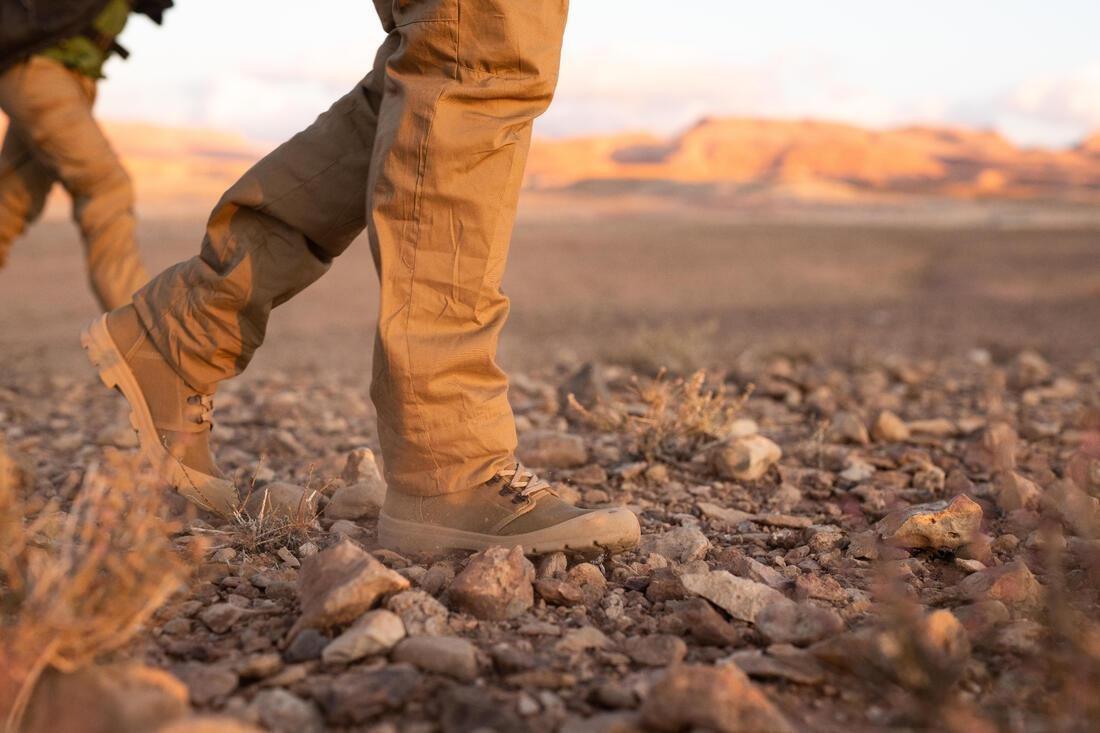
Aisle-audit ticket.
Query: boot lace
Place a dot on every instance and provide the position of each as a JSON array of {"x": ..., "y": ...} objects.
[
  {"x": 206, "y": 404},
  {"x": 523, "y": 483}
]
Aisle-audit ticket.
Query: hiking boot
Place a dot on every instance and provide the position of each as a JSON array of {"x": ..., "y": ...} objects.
[
  {"x": 514, "y": 508},
  {"x": 172, "y": 420}
]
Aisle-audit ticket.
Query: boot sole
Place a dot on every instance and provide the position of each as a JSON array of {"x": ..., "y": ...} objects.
[
  {"x": 605, "y": 530},
  {"x": 116, "y": 374}
]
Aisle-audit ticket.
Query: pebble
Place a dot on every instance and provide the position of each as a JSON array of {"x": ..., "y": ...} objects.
[
  {"x": 682, "y": 544},
  {"x": 284, "y": 712},
  {"x": 559, "y": 592},
  {"x": 446, "y": 655},
  {"x": 307, "y": 645},
  {"x": 363, "y": 694},
  {"x": 220, "y": 617},
  {"x": 746, "y": 459},
  {"x": 741, "y": 598},
  {"x": 889, "y": 428},
  {"x": 656, "y": 650},
  {"x": 1013, "y": 584},
  {"x": 938, "y": 525},
  {"x": 583, "y": 639},
  {"x": 376, "y": 632},
  {"x": 846, "y": 427},
  {"x": 718, "y": 699},
  {"x": 801, "y": 624},
  {"x": 420, "y": 612},
  {"x": 495, "y": 584},
  {"x": 340, "y": 584}
]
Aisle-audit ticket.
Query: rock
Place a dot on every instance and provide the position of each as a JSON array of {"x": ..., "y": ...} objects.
[
  {"x": 1012, "y": 584},
  {"x": 801, "y": 624},
  {"x": 1029, "y": 369},
  {"x": 552, "y": 449},
  {"x": 439, "y": 576},
  {"x": 220, "y": 617},
  {"x": 420, "y": 613},
  {"x": 446, "y": 655},
  {"x": 589, "y": 579},
  {"x": 724, "y": 515},
  {"x": 1013, "y": 491},
  {"x": 820, "y": 586},
  {"x": 283, "y": 712},
  {"x": 375, "y": 632},
  {"x": 705, "y": 625},
  {"x": 847, "y": 428},
  {"x": 307, "y": 645},
  {"x": 665, "y": 585},
  {"x": 552, "y": 564},
  {"x": 583, "y": 639},
  {"x": 474, "y": 708},
  {"x": 116, "y": 697},
  {"x": 889, "y": 428},
  {"x": 712, "y": 698},
  {"x": 741, "y": 598},
  {"x": 790, "y": 664},
  {"x": 559, "y": 592},
  {"x": 283, "y": 500},
  {"x": 340, "y": 584},
  {"x": 656, "y": 650},
  {"x": 495, "y": 584},
  {"x": 208, "y": 724},
  {"x": 823, "y": 537},
  {"x": 359, "y": 500},
  {"x": 258, "y": 666},
  {"x": 206, "y": 682},
  {"x": 362, "y": 694},
  {"x": 682, "y": 544},
  {"x": 981, "y": 618},
  {"x": 1075, "y": 507},
  {"x": 937, "y": 526},
  {"x": 746, "y": 459},
  {"x": 995, "y": 450},
  {"x": 753, "y": 569},
  {"x": 937, "y": 427}
]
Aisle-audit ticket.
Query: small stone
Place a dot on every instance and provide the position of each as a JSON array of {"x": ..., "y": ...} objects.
[
  {"x": 822, "y": 538},
  {"x": 439, "y": 576},
  {"x": 746, "y": 459},
  {"x": 447, "y": 655},
  {"x": 753, "y": 569},
  {"x": 1012, "y": 584},
  {"x": 682, "y": 544},
  {"x": 495, "y": 584},
  {"x": 552, "y": 449},
  {"x": 792, "y": 665},
  {"x": 1029, "y": 369},
  {"x": 361, "y": 694},
  {"x": 220, "y": 617},
  {"x": 288, "y": 557},
  {"x": 937, "y": 427},
  {"x": 741, "y": 598},
  {"x": 583, "y": 639},
  {"x": 284, "y": 712},
  {"x": 822, "y": 587},
  {"x": 259, "y": 666},
  {"x": 995, "y": 450},
  {"x": 206, "y": 683},
  {"x": 979, "y": 619},
  {"x": 340, "y": 584},
  {"x": 938, "y": 526},
  {"x": 665, "y": 585},
  {"x": 308, "y": 644},
  {"x": 801, "y": 624},
  {"x": 656, "y": 650},
  {"x": 889, "y": 428},
  {"x": 589, "y": 579},
  {"x": 847, "y": 428},
  {"x": 559, "y": 592},
  {"x": 283, "y": 500},
  {"x": 705, "y": 625},
  {"x": 376, "y": 632},
  {"x": 723, "y": 515},
  {"x": 420, "y": 612},
  {"x": 552, "y": 564},
  {"x": 359, "y": 500},
  {"x": 719, "y": 699},
  {"x": 1013, "y": 492}
]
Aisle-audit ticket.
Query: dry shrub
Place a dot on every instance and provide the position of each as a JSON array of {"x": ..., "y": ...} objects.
[
  {"x": 669, "y": 420},
  {"x": 79, "y": 584}
]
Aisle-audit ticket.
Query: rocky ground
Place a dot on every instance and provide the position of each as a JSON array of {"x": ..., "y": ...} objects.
[{"x": 887, "y": 544}]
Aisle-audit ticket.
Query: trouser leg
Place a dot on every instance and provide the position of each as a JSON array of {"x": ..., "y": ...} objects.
[
  {"x": 432, "y": 144},
  {"x": 52, "y": 107},
  {"x": 273, "y": 233},
  {"x": 24, "y": 184}
]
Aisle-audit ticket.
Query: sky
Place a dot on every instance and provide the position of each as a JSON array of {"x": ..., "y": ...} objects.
[{"x": 1028, "y": 69}]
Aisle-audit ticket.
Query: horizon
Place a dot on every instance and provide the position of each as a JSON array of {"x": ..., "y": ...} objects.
[{"x": 1018, "y": 69}]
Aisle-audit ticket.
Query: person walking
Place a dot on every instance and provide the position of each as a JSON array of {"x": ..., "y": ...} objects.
[
  {"x": 427, "y": 153},
  {"x": 53, "y": 136}
]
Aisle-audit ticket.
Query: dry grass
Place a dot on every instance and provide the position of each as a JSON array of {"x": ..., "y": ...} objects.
[
  {"x": 671, "y": 420},
  {"x": 79, "y": 584}
]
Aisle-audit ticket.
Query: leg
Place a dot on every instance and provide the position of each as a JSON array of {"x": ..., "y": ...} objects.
[
  {"x": 461, "y": 95},
  {"x": 52, "y": 106},
  {"x": 24, "y": 185},
  {"x": 273, "y": 233}
]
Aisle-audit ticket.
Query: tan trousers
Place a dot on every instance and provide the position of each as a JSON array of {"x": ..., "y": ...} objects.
[
  {"x": 427, "y": 152},
  {"x": 52, "y": 137}
]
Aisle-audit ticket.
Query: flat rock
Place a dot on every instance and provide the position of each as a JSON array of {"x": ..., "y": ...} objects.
[
  {"x": 681, "y": 544},
  {"x": 375, "y": 632},
  {"x": 446, "y": 655},
  {"x": 559, "y": 592},
  {"x": 745, "y": 459},
  {"x": 284, "y": 712},
  {"x": 220, "y": 617},
  {"x": 552, "y": 449},
  {"x": 583, "y": 639},
  {"x": 655, "y": 650},
  {"x": 496, "y": 584},
  {"x": 340, "y": 584},
  {"x": 801, "y": 624},
  {"x": 938, "y": 525},
  {"x": 206, "y": 682},
  {"x": 712, "y": 698},
  {"x": 361, "y": 695},
  {"x": 724, "y": 515},
  {"x": 705, "y": 625},
  {"x": 795, "y": 666},
  {"x": 741, "y": 598}
]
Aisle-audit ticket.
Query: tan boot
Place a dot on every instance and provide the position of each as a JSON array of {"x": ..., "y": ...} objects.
[
  {"x": 172, "y": 420},
  {"x": 515, "y": 508}
]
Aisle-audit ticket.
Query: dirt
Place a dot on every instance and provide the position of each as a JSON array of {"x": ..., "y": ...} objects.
[{"x": 811, "y": 332}]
